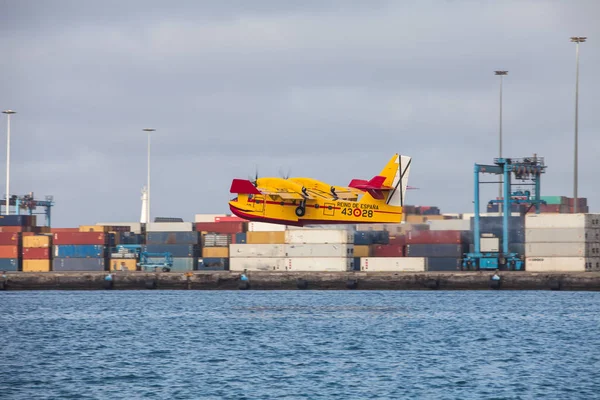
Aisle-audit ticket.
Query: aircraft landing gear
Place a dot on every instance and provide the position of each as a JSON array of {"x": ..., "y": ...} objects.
[{"x": 301, "y": 209}]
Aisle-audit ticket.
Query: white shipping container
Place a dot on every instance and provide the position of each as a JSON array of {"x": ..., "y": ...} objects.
[
  {"x": 134, "y": 227},
  {"x": 319, "y": 250},
  {"x": 489, "y": 244},
  {"x": 257, "y": 264},
  {"x": 207, "y": 217},
  {"x": 264, "y": 227},
  {"x": 552, "y": 220},
  {"x": 562, "y": 235},
  {"x": 393, "y": 264},
  {"x": 169, "y": 227},
  {"x": 319, "y": 236},
  {"x": 450, "y": 225},
  {"x": 582, "y": 249},
  {"x": 562, "y": 264},
  {"x": 256, "y": 250},
  {"x": 319, "y": 264}
]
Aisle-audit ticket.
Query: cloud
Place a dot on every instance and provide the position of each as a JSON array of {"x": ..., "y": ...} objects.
[{"x": 326, "y": 89}]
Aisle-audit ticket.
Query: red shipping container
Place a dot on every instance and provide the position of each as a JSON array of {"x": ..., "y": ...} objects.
[
  {"x": 386, "y": 250},
  {"x": 550, "y": 208},
  {"x": 222, "y": 227},
  {"x": 35, "y": 253},
  {"x": 581, "y": 201},
  {"x": 79, "y": 238},
  {"x": 53, "y": 230},
  {"x": 12, "y": 229},
  {"x": 9, "y": 239},
  {"x": 9, "y": 251},
  {"x": 230, "y": 219},
  {"x": 398, "y": 240},
  {"x": 435, "y": 237}
]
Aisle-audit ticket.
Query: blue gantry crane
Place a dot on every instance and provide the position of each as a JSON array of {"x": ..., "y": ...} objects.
[
  {"x": 29, "y": 205},
  {"x": 527, "y": 171}
]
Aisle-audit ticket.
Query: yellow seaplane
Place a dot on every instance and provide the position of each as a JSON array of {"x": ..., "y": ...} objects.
[{"x": 306, "y": 201}]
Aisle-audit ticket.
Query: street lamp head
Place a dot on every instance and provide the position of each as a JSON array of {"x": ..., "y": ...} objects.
[
  {"x": 148, "y": 130},
  {"x": 9, "y": 112},
  {"x": 578, "y": 39},
  {"x": 501, "y": 72}
]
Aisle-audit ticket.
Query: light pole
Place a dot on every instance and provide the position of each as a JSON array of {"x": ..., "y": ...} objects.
[
  {"x": 501, "y": 74},
  {"x": 576, "y": 39},
  {"x": 8, "y": 114},
  {"x": 148, "y": 201}
]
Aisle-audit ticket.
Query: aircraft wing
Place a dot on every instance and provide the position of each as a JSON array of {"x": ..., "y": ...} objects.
[{"x": 282, "y": 193}]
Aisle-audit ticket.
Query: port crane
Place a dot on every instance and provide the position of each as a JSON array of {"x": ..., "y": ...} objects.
[
  {"x": 29, "y": 205},
  {"x": 528, "y": 171}
]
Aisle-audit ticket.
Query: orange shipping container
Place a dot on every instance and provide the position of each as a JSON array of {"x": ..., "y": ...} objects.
[
  {"x": 36, "y": 241},
  {"x": 129, "y": 263},
  {"x": 9, "y": 252},
  {"x": 36, "y": 265}
]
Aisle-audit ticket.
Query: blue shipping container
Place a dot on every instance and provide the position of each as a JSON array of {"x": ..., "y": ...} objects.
[
  {"x": 443, "y": 263},
  {"x": 176, "y": 250},
  {"x": 436, "y": 250},
  {"x": 184, "y": 263},
  {"x": 363, "y": 238},
  {"x": 130, "y": 238},
  {"x": 356, "y": 264},
  {"x": 213, "y": 264},
  {"x": 240, "y": 237},
  {"x": 173, "y": 237},
  {"x": 10, "y": 264},
  {"x": 17, "y": 220},
  {"x": 80, "y": 251},
  {"x": 80, "y": 264}
]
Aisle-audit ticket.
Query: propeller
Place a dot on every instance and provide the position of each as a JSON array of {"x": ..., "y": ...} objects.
[
  {"x": 284, "y": 176},
  {"x": 255, "y": 181}
]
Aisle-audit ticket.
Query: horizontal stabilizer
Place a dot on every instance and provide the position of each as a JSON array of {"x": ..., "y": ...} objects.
[
  {"x": 243, "y": 186},
  {"x": 374, "y": 184}
]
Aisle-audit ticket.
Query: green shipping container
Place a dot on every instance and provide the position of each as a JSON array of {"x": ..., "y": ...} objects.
[{"x": 554, "y": 200}]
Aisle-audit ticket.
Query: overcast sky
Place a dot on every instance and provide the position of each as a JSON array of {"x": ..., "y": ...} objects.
[{"x": 324, "y": 89}]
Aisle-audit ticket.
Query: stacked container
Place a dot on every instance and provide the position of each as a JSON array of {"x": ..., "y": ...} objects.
[
  {"x": 81, "y": 251},
  {"x": 176, "y": 238},
  {"x": 562, "y": 242},
  {"x": 443, "y": 249},
  {"x": 215, "y": 251},
  {"x": 10, "y": 245},
  {"x": 319, "y": 250},
  {"x": 37, "y": 253},
  {"x": 258, "y": 250}
]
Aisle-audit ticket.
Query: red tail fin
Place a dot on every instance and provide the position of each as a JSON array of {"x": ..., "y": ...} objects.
[
  {"x": 374, "y": 187},
  {"x": 243, "y": 186}
]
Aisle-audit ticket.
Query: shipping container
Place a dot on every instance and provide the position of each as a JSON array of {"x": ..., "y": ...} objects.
[
  {"x": 240, "y": 238},
  {"x": 265, "y": 237},
  {"x": 398, "y": 240},
  {"x": 207, "y": 217},
  {"x": 393, "y": 264},
  {"x": 581, "y": 201},
  {"x": 319, "y": 264},
  {"x": 450, "y": 225},
  {"x": 181, "y": 264},
  {"x": 83, "y": 238},
  {"x": 123, "y": 264},
  {"x": 489, "y": 245},
  {"x": 216, "y": 239},
  {"x": 362, "y": 251},
  {"x": 255, "y": 226},
  {"x": 221, "y": 227},
  {"x": 130, "y": 238},
  {"x": 389, "y": 250},
  {"x": 230, "y": 218},
  {"x": 192, "y": 237},
  {"x": 62, "y": 230},
  {"x": 10, "y": 264},
  {"x": 93, "y": 228},
  {"x": 437, "y": 264},
  {"x": 18, "y": 220},
  {"x": 40, "y": 241},
  {"x": 318, "y": 236},
  {"x": 216, "y": 252},
  {"x": 561, "y": 264},
  {"x": 176, "y": 250},
  {"x": 319, "y": 250},
  {"x": 435, "y": 250},
  {"x": 10, "y": 239},
  {"x": 37, "y": 265},
  {"x": 256, "y": 250},
  {"x": 554, "y": 199},
  {"x": 518, "y": 248},
  {"x": 562, "y": 221},
  {"x": 213, "y": 264},
  {"x": 562, "y": 235},
  {"x": 582, "y": 249},
  {"x": 79, "y": 264},
  {"x": 257, "y": 264},
  {"x": 363, "y": 238},
  {"x": 36, "y": 253},
  {"x": 9, "y": 252},
  {"x": 438, "y": 237},
  {"x": 169, "y": 227},
  {"x": 80, "y": 251},
  {"x": 134, "y": 227},
  {"x": 493, "y": 224}
]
